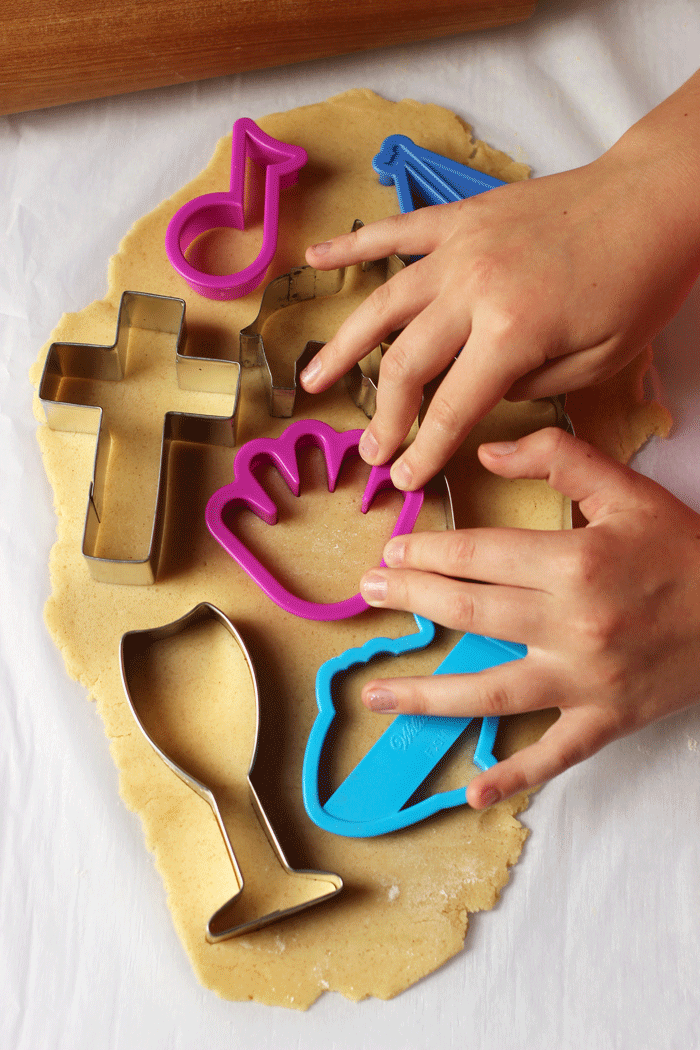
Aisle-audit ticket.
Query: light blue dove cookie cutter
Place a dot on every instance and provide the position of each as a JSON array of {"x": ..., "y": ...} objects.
[
  {"x": 375, "y": 798},
  {"x": 421, "y": 176}
]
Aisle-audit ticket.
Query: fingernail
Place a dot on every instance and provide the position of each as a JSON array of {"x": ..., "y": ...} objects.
[
  {"x": 381, "y": 700},
  {"x": 373, "y": 587},
  {"x": 395, "y": 552},
  {"x": 490, "y": 797},
  {"x": 322, "y": 248},
  {"x": 312, "y": 371},
  {"x": 369, "y": 446},
  {"x": 401, "y": 475},
  {"x": 500, "y": 448}
]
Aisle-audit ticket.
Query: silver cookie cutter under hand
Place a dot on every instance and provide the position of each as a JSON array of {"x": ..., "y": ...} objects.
[
  {"x": 134, "y": 645},
  {"x": 300, "y": 285},
  {"x": 73, "y": 361}
]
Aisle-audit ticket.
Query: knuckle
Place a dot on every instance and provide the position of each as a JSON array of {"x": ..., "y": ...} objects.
[
  {"x": 399, "y": 590},
  {"x": 461, "y": 548},
  {"x": 554, "y": 439},
  {"x": 381, "y": 301},
  {"x": 613, "y": 683},
  {"x": 552, "y": 446},
  {"x": 582, "y": 566},
  {"x": 505, "y": 325},
  {"x": 455, "y": 208},
  {"x": 397, "y": 365},
  {"x": 355, "y": 240},
  {"x": 517, "y": 781},
  {"x": 461, "y": 609},
  {"x": 444, "y": 417},
  {"x": 416, "y": 702},
  {"x": 579, "y": 746},
  {"x": 486, "y": 270},
  {"x": 620, "y": 721},
  {"x": 570, "y": 753},
  {"x": 598, "y": 628},
  {"x": 494, "y": 702}
]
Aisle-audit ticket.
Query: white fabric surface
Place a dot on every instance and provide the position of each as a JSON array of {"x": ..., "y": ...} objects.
[{"x": 596, "y": 942}]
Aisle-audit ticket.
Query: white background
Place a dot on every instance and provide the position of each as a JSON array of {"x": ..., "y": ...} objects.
[{"x": 596, "y": 942}]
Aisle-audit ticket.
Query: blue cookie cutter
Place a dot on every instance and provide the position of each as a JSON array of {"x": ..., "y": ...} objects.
[
  {"x": 423, "y": 176},
  {"x": 374, "y": 798}
]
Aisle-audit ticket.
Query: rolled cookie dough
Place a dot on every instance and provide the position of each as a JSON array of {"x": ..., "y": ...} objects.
[{"x": 407, "y": 897}]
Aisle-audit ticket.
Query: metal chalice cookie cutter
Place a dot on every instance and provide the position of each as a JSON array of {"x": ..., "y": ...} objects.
[
  {"x": 133, "y": 646},
  {"x": 281, "y": 163},
  {"x": 246, "y": 491},
  {"x": 70, "y": 361},
  {"x": 298, "y": 286}
]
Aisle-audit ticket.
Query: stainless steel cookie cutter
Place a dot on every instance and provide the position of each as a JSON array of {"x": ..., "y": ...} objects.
[
  {"x": 70, "y": 361},
  {"x": 133, "y": 647},
  {"x": 300, "y": 285}
]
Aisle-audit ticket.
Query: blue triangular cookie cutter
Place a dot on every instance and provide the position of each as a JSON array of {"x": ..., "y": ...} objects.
[{"x": 421, "y": 176}]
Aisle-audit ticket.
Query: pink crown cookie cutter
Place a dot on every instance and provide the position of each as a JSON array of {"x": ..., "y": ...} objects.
[
  {"x": 245, "y": 490},
  {"x": 211, "y": 211}
]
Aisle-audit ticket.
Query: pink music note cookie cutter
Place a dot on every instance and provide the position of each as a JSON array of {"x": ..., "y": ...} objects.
[
  {"x": 246, "y": 490},
  {"x": 211, "y": 211}
]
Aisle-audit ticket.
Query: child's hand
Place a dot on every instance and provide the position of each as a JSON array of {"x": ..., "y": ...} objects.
[
  {"x": 610, "y": 612},
  {"x": 540, "y": 287}
]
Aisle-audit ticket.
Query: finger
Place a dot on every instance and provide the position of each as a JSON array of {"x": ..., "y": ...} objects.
[
  {"x": 390, "y": 307},
  {"x": 514, "y": 614},
  {"x": 576, "y": 735},
  {"x": 474, "y": 384},
  {"x": 422, "y": 351},
  {"x": 513, "y": 557},
  {"x": 414, "y": 233},
  {"x": 506, "y": 689},
  {"x": 571, "y": 466}
]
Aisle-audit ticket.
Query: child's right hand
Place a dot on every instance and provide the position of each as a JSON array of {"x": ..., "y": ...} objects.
[{"x": 610, "y": 612}]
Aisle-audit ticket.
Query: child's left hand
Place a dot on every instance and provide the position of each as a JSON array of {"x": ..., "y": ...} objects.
[{"x": 610, "y": 612}]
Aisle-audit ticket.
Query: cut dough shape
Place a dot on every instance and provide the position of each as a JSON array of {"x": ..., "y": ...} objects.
[{"x": 405, "y": 908}]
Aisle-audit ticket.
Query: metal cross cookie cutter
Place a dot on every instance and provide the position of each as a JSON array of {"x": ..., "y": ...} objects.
[
  {"x": 281, "y": 163},
  {"x": 423, "y": 177},
  {"x": 246, "y": 491},
  {"x": 322, "y": 886},
  {"x": 298, "y": 286},
  {"x": 78, "y": 361},
  {"x": 377, "y": 797}
]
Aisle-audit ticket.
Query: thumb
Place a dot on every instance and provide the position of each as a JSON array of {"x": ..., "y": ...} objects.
[{"x": 599, "y": 484}]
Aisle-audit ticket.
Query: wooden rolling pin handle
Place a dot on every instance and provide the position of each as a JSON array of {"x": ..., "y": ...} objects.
[{"x": 56, "y": 52}]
